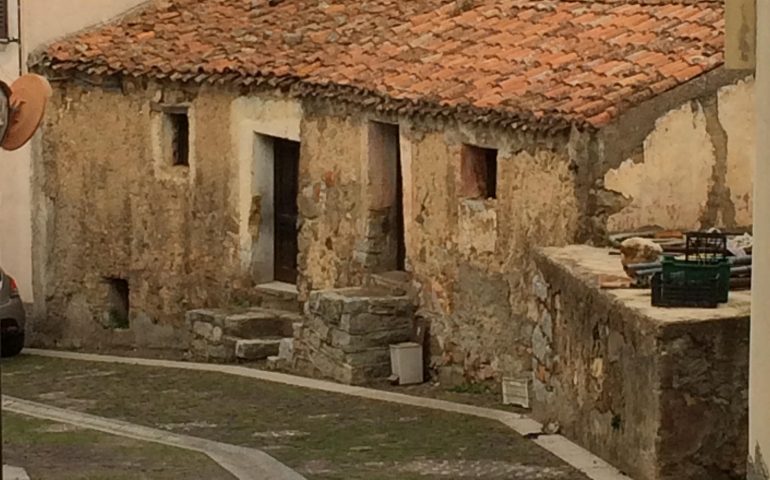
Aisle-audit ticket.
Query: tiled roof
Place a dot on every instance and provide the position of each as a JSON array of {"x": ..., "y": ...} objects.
[{"x": 548, "y": 64}]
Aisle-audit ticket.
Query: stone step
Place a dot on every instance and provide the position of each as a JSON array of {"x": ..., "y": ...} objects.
[
  {"x": 278, "y": 296},
  {"x": 260, "y": 323},
  {"x": 257, "y": 349},
  {"x": 212, "y": 316},
  {"x": 397, "y": 282}
]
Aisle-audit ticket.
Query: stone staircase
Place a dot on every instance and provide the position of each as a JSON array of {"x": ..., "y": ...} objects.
[
  {"x": 246, "y": 334},
  {"x": 347, "y": 333}
]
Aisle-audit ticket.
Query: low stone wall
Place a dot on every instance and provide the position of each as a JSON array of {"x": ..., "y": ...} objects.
[
  {"x": 660, "y": 393},
  {"x": 347, "y": 334}
]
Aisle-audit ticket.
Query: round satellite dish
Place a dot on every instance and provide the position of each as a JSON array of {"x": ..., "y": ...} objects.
[{"x": 29, "y": 95}]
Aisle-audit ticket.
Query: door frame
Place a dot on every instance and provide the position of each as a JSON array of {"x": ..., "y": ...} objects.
[
  {"x": 263, "y": 207},
  {"x": 253, "y": 119}
]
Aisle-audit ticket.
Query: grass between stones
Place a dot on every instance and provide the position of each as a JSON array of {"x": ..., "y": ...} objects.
[
  {"x": 321, "y": 435},
  {"x": 54, "y": 450}
]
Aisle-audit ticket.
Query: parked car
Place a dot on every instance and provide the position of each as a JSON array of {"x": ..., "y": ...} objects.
[{"x": 13, "y": 319}]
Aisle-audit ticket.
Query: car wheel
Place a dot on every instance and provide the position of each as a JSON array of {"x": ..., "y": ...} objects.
[{"x": 12, "y": 346}]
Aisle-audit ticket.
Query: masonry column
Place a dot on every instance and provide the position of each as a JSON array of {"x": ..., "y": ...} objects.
[{"x": 759, "y": 383}]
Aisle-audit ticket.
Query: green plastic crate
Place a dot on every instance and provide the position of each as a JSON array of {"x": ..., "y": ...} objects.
[{"x": 685, "y": 283}]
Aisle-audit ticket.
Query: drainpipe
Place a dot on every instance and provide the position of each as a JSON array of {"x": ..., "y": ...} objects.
[{"x": 759, "y": 370}]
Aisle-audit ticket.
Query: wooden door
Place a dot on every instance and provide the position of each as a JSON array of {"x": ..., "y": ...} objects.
[{"x": 285, "y": 189}]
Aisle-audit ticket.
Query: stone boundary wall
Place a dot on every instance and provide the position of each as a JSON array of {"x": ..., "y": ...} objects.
[{"x": 662, "y": 400}]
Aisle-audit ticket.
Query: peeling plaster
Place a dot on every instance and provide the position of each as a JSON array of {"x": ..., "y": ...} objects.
[
  {"x": 670, "y": 187},
  {"x": 737, "y": 115}
]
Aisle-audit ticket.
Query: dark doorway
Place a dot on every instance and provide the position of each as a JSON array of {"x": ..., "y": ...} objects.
[
  {"x": 399, "y": 213},
  {"x": 118, "y": 307},
  {"x": 285, "y": 190},
  {"x": 384, "y": 245}
]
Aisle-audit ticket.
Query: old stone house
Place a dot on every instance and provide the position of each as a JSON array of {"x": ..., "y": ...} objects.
[
  {"x": 24, "y": 27},
  {"x": 198, "y": 148}
]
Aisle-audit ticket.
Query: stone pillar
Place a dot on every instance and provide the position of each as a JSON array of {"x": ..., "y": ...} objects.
[{"x": 759, "y": 382}]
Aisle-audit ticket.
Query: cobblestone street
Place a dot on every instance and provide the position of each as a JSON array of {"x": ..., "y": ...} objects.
[{"x": 320, "y": 435}]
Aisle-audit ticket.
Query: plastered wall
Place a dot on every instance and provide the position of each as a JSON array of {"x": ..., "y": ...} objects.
[
  {"x": 42, "y": 21},
  {"x": 694, "y": 169},
  {"x": 759, "y": 381},
  {"x": 110, "y": 208}
]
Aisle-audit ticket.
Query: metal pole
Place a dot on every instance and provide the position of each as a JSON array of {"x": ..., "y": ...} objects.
[
  {"x": 759, "y": 378},
  {"x": 4, "y": 121}
]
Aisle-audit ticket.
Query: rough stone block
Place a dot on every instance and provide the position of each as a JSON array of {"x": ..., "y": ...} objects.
[
  {"x": 222, "y": 352},
  {"x": 398, "y": 306},
  {"x": 286, "y": 349},
  {"x": 374, "y": 356},
  {"x": 328, "y": 305},
  {"x": 311, "y": 339},
  {"x": 212, "y": 316},
  {"x": 216, "y": 335},
  {"x": 258, "y": 323},
  {"x": 364, "y": 323},
  {"x": 354, "y": 305},
  {"x": 326, "y": 367},
  {"x": 198, "y": 348},
  {"x": 356, "y": 343},
  {"x": 540, "y": 346},
  {"x": 258, "y": 349},
  {"x": 277, "y": 299},
  {"x": 276, "y": 363},
  {"x": 318, "y": 326},
  {"x": 324, "y": 348},
  {"x": 451, "y": 376},
  {"x": 297, "y": 329},
  {"x": 202, "y": 329},
  {"x": 539, "y": 287},
  {"x": 367, "y": 374},
  {"x": 322, "y": 364}
]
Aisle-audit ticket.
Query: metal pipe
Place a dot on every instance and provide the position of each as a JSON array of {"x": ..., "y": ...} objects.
[{"x": 735, "y": 261}]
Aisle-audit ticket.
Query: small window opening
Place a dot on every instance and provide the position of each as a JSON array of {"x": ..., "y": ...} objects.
[
  {"x": 180, "y": 138},
  {"x": 118, "y": 307},
  {"x": 478, "y": 172}
]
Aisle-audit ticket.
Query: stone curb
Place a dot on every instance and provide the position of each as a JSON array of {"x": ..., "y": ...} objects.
[
  {"x": 576, "y": 456},
  {"x": 244, "y": 463}
]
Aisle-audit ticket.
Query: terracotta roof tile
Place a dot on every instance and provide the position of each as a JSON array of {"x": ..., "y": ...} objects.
[{"x": 556, "y": 63}]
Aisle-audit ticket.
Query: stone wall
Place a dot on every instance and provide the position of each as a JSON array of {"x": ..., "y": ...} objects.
[
  {"x": 660, "y": 393},
  {"x": 459, "y": 250},
  {"x": 197, "y": 237},
  {"x": 471, "y": 256},
  {"x": 108, "y": 206},
  {"x": 330, "y": 201}
]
